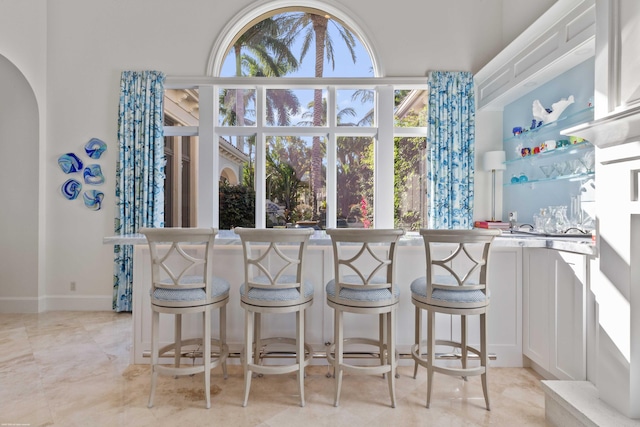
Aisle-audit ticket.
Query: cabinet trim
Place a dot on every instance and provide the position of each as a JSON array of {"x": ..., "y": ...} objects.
[{"x": 560, "y": 39}]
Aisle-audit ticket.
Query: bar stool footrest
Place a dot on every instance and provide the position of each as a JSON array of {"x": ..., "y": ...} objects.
[
  {"x": 362, "y": 369},
  {"x": 280, "y": 369}
]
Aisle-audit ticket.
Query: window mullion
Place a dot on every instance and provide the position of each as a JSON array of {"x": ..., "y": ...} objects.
[
  {"x": 261, "y": 158},
  {"x": 176, "y": 185},
  {"x": 331, "y": 177},
  {"x": 208, "y": 159},
  {"x": 383, "y": 159}
]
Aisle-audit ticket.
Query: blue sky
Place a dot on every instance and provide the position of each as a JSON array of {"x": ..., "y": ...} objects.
[{"x": 344, "y": 67}]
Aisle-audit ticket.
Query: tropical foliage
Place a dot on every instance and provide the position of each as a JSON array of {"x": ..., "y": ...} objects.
[
  {"x": 237, "y": 206},
  {"x": 409, "y": 155},
  {"x": 295, "y": 173}
]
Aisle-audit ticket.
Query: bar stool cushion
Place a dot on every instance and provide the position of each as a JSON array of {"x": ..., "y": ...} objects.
[
  {"x": 219, "y": 286},
  {"x": 364, "y": 294},
  {"x": 419, "y": 287},
  {"x": 290, "y": 294}
]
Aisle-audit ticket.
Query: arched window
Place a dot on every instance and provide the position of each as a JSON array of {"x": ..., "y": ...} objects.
[{"x": 297, "y": 91}]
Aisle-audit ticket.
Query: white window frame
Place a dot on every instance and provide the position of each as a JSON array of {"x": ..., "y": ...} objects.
[{"x": 208, "y": 132}]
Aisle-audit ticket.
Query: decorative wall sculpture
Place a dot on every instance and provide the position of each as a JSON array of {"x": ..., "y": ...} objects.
[
  {"x": 70, "y": 163},
  {"x": 71, "y": 189},
  {"x": 92, "y": 174}
]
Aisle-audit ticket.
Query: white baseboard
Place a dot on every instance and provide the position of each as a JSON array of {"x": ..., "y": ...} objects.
[
  {"x": 56, "y": 303},
  {"x": 20, "y": 304}
]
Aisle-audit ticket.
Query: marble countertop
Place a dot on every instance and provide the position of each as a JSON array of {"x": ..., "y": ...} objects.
[{"x": 581, "y": 245}]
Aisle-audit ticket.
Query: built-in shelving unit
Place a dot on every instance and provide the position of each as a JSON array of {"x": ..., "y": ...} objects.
[{"x": 571, "y": 161}]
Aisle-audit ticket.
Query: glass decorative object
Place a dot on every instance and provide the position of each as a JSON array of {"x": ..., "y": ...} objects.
[
  {"x": 94, "y": 148},
  {"x": 93, "y": 199},
  {"x": 70, "y": 163},
  {"x": 93, "y": 175},
  {"x": 71, "y": 189}
]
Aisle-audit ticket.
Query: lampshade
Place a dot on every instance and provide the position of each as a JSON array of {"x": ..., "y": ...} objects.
[{"x": 494, "y": 160}]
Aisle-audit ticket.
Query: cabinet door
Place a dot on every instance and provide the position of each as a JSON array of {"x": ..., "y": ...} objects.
[
  {"x": 504, "y": 319},
  {"x": 628, "y": 52},
  {"x": 568, "y": 331},
  {"x": 536, "y": 311}
]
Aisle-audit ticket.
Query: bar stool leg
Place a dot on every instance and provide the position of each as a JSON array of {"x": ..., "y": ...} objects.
[
  {"x": 463, "y": 343},
  {"x": 484, "y": 357},
  {"x": 178, "y": 341},
  {"x": 418, "y": 339},
  {"x": 206, "y": 354},
  {"x": 223, "y": 337},
  {"x": 339, "y": 340},
  {"x": 430, "y": 353},
  {"x": 155, "y": 346},
  {"x": 257, "y": 319},
  {"x": 382, "y": 324},
  {"x": 248, "y": 348},
  {"x": 300, "y": 352},
  {"x": 391, "y": 357}
]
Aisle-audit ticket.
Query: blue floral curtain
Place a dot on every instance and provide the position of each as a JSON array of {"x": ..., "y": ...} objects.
[
  {"x": 139, "y": 170},
  {"x": 450, "y": 156}
]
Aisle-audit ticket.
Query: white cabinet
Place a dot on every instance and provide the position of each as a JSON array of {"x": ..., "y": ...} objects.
[
  {"x": 535, "y": 306},
  {"x": 568, "y": 325},
  {"x": 554, "y": 312},
  {"x": 504, "y": 319},
  {"x": 617, "y": 67}
]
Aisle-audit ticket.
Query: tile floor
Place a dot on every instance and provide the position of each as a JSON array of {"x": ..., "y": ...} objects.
[{"x": 72, "y": 369}]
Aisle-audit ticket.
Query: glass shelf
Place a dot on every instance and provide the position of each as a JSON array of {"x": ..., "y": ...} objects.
[
  {"x": 574, "y": 177},
  {"x": 579, "y": 116},
  {"x": 546, "y": 154}
]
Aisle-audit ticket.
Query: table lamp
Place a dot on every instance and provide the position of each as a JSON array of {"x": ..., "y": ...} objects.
[{"x": 493, "y": 161}]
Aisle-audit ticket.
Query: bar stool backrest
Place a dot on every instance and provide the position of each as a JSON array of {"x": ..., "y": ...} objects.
[
  {"x": 364, "y": 258},
  {"x": 457, "y": 261},
  {"x": 274, "y": 257},
  {"x": 181, "y": 260}
]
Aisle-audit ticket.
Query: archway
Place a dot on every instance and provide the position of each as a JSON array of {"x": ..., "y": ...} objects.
[
  {"x": 19, "y": 126},
  {"x": 229, "y": 176}
]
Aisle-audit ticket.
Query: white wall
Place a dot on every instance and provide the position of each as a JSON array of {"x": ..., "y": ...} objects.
[
  {"x": 73, "y": 51},
  {"x": 23, "y": 27},
  {"x": 18, "y": 193},
  {"x": 517, "y": 12}
]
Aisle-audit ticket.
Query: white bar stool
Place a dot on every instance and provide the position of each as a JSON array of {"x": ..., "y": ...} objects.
[
  {"x": 274, "y": 283},
  {"x": 182, "y": 282},
  {"x": 456, "y": 282},
  {"x": 364, "y": 283}
]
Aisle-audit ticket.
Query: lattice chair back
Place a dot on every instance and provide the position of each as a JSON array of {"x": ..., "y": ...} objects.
[
  {"x": 457, "y": 265},
  {"x": 182, "y": 266},
  {"x": 274, "y": 261},
  {"x": 364, "y": 261}
]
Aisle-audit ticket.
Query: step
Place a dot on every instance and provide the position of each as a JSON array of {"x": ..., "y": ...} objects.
[{"x": 576, "y": 403}]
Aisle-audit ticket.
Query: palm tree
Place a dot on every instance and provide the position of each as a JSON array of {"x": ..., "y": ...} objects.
[
  {"x": 261, "y": 51},
  {"x": 263, "y": 45},
  {"x": 283, "y": 182},
  {"x": 341, "y": 115},
  {"x": 315, "y": 29}
]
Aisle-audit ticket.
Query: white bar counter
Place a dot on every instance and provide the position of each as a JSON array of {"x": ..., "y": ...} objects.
[{"x": 504, "y": 318}]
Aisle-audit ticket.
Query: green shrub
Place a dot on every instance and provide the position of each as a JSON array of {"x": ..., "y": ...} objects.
[{"x": 237, "y": 206}]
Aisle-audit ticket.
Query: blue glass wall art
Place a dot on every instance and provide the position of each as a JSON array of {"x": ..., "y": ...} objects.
[
  {"x": 93, "y": 175},
  {"x": 70, "y": 163},
  {"x": 95, "y": 147},
  {"x": 71, "y": 189},
  {"x": 93, "y": 199}
]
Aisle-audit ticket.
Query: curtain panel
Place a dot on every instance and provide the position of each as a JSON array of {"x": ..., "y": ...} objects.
[
  {"x": 139, "y": 170},
  {"x": 451, "y": 148}
]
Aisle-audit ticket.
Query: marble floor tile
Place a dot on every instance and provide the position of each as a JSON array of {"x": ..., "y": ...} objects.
[{"x": 65, "y": 369}]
